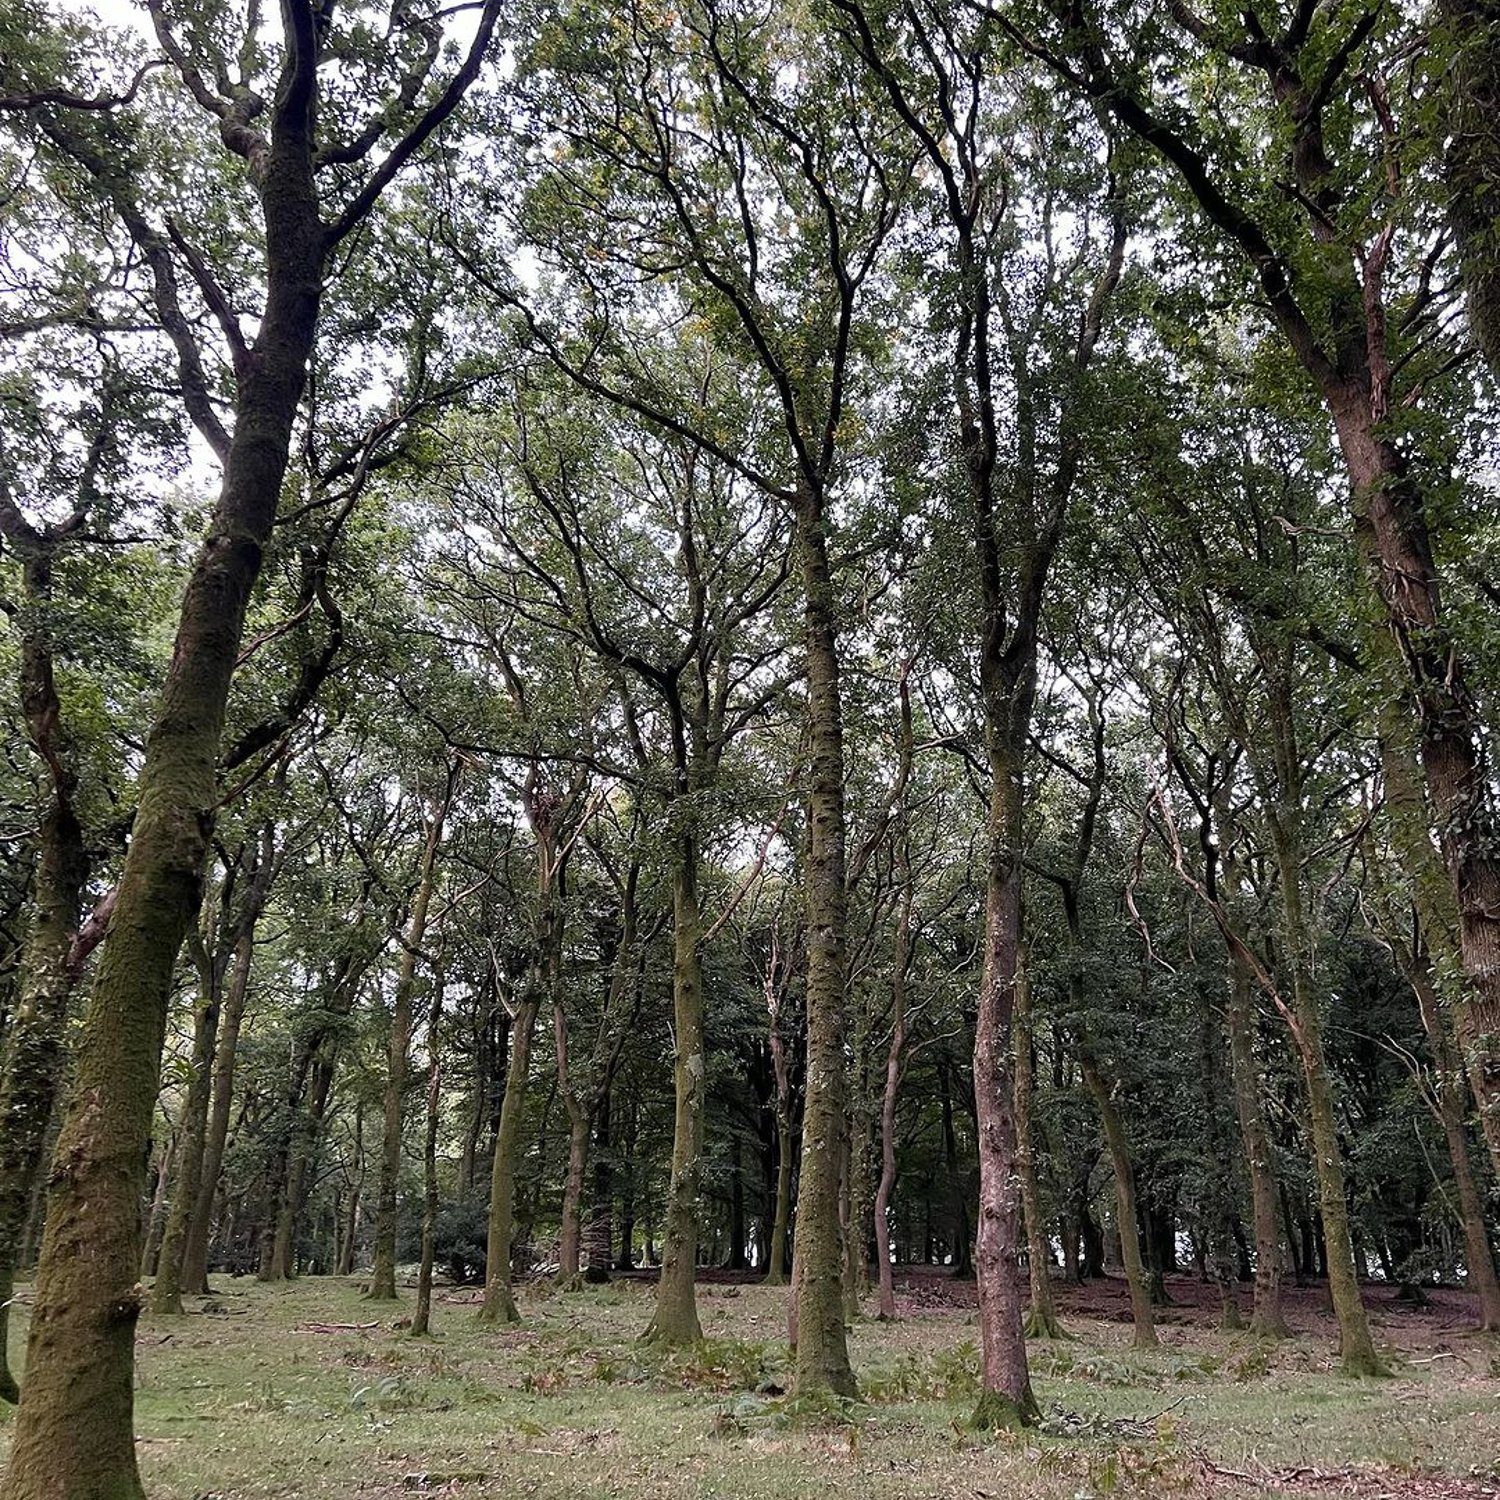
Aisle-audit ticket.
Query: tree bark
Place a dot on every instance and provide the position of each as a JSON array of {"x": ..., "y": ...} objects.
[
  {"x": 1126, "y": 1220},
  {"x": 1450, "y": 1095},
  {"x": 1041, "y": 1321},
  {"x": 345, "y": 1265},
  {"x": 1356, "y": 1347},
  {"x": 776, "y": 1259},
  {"x": 822, "y": 1362},
  {"x": 895, "y": 1064},
  {"x": 499, "y": 1305},
  {"x": 74, "y": 1435},
  {"x": 383, "y": 1274}
]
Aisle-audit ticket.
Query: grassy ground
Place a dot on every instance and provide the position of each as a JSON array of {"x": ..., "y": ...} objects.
[{"x": 245, "y": 1396}]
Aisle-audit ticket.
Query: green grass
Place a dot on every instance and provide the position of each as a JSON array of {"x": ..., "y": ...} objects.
[{"x": 243, "y": 1402}]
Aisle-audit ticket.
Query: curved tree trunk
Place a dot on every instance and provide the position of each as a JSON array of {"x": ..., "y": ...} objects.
[
  {"x": 75, "y": 1432},
  {"x": 1356, "y": 1347},
  {"x": 499, "y": 1305}
]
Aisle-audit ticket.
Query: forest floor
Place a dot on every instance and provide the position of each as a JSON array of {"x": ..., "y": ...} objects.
[{"x": 266, "y": 1391}]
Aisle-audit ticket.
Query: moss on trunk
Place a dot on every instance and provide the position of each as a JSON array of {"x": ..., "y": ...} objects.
[{"x": 822, "y": 1362}]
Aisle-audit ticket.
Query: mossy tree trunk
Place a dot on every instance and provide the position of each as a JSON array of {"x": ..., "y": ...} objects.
[
  {"x": 1117, "y": 1144},
  {"x": 854, "y": 1200},
  {"x": 1409, "y": 819},
  {"x": 74, "y": 1435},
  {"x": 499, "y": 1305},
  {"x": 570, "y": 1240},
  {"x": 1357, "y": 1354},
  {"x": 1006, "y": 1398},
  {"x": 822, "y": 1361}
]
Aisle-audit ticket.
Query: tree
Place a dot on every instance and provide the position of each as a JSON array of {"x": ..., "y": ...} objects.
[{"x": 76, "y": 1433}]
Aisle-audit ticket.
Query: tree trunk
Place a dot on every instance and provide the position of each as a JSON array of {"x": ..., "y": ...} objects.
[
  {"x": 383, "y": 1275},
  {"x": 345, "y": 1265},
  {"x": 301, "y": 1159},
  {"x": 1125, "y": 1204},
  {"x": 1042, "y": 1320},
  {"x": 166, "y": 1294},
  {"x": 675, "y": 1320},
  {"x": 1006, "y": 1398},
  {"x": 195, "y": 1251},
  {"x": 735, "y": 1260},
  {"x": 599, "y": 1238},
  {"x": 1392, "y": 534},
  {"x": 1267, "y": 1319},
  {"x": 499, "y": 1305},
  {"x": 74, "y": 1433},
  {"x": 776, "y": 1259},
  {"x": 895, "y": 1064},
  {"x": 422, "y": 1318},
  {"x": 1409, "y": 820},
  {"x": 570, "y": 1247},
  {"x": 626, "y": 1261},
  {"x": 156, "y": 1219},
  {"x": 861, "y": 1135},
  {"x": 1451, "y": 1097},
  {"x": 822, "y": 1349},
  {"x": 1356, "y": 1347}
]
